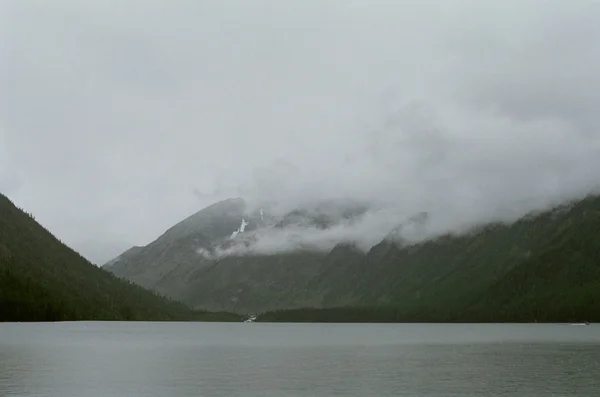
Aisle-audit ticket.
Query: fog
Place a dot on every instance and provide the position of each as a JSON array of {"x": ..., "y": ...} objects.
[{"x": 117, "y": 120}]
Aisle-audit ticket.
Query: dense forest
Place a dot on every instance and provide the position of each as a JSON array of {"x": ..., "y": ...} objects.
[
  {"x": 41, "y": 279},
  {"x": 558, "y": 281}
]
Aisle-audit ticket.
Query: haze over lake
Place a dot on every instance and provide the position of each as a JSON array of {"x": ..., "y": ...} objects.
[{"x": 211, "y": 359}]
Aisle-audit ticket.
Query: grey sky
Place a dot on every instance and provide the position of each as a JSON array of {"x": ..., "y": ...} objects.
[{"x": 118, "y": 119}]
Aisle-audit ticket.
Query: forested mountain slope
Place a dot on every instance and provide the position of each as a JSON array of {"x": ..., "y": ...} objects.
[
  {"x": 544, "y": 266},
  {"x": 41, "y": 279}
]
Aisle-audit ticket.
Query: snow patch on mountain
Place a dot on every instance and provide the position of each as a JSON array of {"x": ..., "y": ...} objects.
[{"x": 240, "y": 229}]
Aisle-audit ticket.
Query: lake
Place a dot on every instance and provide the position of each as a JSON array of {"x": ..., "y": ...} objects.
[{"x": 98, "y": 359}]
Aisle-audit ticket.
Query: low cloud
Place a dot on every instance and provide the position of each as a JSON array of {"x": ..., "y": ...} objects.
[
  {"x": 116, "y": 122},
  {"x": 463, "y": 169},
  {"x": 373, "y": 226}
]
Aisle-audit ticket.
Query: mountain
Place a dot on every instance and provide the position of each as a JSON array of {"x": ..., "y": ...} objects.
[
  {"x": 41, "y": 279},
  {"x": 166, "y": 263},
  {"x": 543, "y": 267},
  {"x": 181, "y": 262}
]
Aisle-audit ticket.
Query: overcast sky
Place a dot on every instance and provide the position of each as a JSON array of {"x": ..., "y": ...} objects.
[{"x": 120, "y": 118}]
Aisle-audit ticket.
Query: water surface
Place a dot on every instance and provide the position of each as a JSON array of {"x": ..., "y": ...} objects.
[{"x": 100, "y": 359}]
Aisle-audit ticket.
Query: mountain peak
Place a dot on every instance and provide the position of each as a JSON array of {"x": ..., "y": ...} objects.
[{"x": 217, "y": 220}]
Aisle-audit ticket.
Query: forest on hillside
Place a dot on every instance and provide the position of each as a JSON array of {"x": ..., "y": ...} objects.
[
  {"x": 41, "y": 279},
  {"x": 544, "y": 268},
  {"x": 484, "y": 277}
]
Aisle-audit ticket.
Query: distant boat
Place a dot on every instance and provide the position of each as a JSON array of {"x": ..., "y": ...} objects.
[
  {"x": 584, "y": 323},
  {"x": 250, "y": 319}
]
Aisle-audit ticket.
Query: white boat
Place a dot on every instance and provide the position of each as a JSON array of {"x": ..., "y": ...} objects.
[{"x": 250, "y": 319}]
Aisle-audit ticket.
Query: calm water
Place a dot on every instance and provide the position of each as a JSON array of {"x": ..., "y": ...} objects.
[{"x": 195, "y": 359}]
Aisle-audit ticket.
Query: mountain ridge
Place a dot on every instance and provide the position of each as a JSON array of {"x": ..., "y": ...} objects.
[{"x": 444, "y": 273}]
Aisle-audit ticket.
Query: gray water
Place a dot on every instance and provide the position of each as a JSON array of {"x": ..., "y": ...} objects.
[{"x": 203, "y": 359}]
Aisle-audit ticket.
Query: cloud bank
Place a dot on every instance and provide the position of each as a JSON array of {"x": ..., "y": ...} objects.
[{"x": 117, "y": 121}]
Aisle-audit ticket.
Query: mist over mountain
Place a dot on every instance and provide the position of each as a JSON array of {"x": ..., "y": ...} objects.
[
  {"x": 237, "y": 227},
  {"x": 233, "y": 228},
  {"x": 468, "y": 111},
  {"x": 335, "y": 254}
]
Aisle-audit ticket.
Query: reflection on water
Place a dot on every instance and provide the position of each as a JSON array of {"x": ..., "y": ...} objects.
[{"x": 194, "y": 359}]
